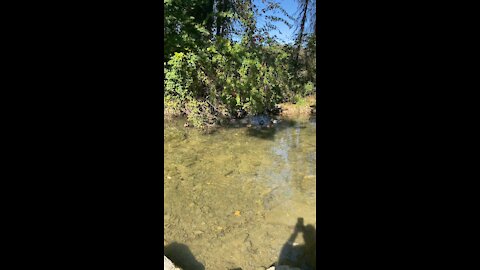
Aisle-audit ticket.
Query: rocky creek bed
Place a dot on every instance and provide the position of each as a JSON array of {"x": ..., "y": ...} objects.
[{"x": 233, "y": 197}]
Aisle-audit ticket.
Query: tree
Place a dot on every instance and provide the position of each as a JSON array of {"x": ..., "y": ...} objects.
[
  {"x": 306, "y": 8},
  {"x": 208, "y": 75}
]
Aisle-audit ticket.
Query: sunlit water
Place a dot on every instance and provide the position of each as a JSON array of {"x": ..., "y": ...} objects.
[{"x": 233, "y": 197}]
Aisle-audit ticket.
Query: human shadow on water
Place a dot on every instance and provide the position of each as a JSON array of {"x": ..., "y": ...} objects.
[
  {"x": 300, "y": 256},
  {"x": 182, "y": 257}
]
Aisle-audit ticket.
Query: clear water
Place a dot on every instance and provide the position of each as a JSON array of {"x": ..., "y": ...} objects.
[{"x": 233, "y": 197}]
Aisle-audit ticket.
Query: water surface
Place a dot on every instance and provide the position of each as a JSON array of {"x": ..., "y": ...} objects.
[{"x": 233, "y": 197}]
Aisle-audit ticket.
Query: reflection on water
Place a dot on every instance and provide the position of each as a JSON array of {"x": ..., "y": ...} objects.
[{"x": 234, "y": 196}]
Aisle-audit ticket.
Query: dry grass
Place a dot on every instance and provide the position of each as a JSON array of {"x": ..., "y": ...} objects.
[{"x": 300, "y": 109}]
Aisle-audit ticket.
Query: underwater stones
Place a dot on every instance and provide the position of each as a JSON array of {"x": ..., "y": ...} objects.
[
  {"x": 272, "y": 198},
  {"x": 238, "y": 172},
  {"x": 255, "y": 121},
  {"x": 309, "y": 182},
  {"x": 260, "y": 120}
]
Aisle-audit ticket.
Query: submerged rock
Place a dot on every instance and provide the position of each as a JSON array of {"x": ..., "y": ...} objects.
[{"x": 260, "y": 120}]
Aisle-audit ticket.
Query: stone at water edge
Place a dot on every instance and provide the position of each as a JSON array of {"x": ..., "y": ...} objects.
[
  {"x": 260, "y": 120},
  {"x": 168, "y": 265},
  {"x": 283, "y": 267}
]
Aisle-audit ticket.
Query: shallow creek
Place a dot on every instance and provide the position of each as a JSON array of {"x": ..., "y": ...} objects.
[{"x": 233, "y": 197}]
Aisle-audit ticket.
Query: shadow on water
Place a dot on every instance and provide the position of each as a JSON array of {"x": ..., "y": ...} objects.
[
  {"x": 262, "y": 132},
  {"x": 182, "y": 257},
  {"x": 300, "y": 256},
  {"x": 268, "y": 133}
]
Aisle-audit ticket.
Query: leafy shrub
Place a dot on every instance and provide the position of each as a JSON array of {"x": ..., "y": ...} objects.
[
  {"x": 232, "y": 77},
  {"x": 308, "y": 89}
]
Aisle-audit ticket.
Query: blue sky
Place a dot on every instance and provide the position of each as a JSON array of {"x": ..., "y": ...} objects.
[
  {"x": 285, "y": 34},
  {"x": 291, "y": 7}
]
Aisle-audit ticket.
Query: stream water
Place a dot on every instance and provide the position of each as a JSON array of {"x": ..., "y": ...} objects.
[{"x": 234, "y": 198}]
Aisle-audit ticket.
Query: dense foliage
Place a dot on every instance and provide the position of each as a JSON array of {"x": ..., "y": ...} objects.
[{"x": 210, "y": 77}]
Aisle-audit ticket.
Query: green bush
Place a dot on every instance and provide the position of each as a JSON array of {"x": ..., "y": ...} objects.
[
  {"x": 230, "y": 76},
  {"x": 308, "y": 89},
  {"x": 299, "y": 100}
]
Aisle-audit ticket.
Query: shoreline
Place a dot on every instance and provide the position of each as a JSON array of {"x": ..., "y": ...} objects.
[{"x": 305, "y": 108}]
